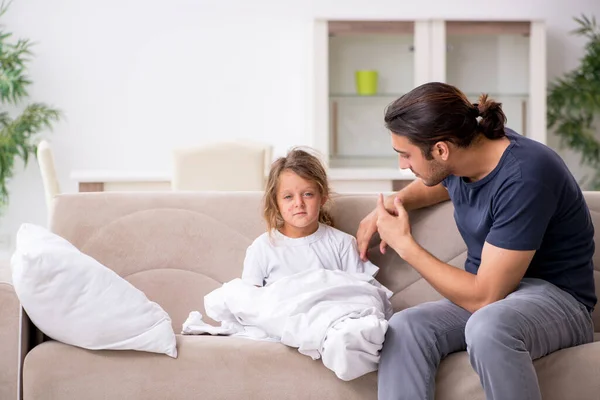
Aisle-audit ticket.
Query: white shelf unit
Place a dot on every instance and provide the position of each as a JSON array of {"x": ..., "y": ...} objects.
[
  {"x": 506, "y": 59},
  {"x": 356, "y": 134}
]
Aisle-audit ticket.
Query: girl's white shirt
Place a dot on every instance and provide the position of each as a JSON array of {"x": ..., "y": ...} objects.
[{"x": 272, "y": 257}]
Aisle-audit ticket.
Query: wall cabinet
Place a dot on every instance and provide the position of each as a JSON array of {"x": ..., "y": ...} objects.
[{"x": 506, "y": 59}]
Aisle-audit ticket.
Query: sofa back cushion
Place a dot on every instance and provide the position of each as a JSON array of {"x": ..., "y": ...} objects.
[
  {"x": 175, "y": 247},
  {"x": 433, "y": 228},
  {"x": 178, "y": 246},
  {"x": 593, "y": 201}
]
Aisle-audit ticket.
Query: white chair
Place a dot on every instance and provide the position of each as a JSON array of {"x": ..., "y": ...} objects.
[
  {"x": 225, "y": 166},
  {"x": 45, "y": 159}
]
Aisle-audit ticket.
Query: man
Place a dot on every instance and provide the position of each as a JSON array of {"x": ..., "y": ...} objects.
[{"x": 527, "y": 289}]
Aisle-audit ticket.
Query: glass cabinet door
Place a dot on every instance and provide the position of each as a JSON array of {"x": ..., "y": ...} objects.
[
  {"x": 363, "y": 66},
  {"x": 370, "y": 64},
  {"x": 492, "y": 57}
]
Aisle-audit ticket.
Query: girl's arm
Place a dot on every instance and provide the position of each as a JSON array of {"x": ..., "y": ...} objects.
[
  {"x": 253, "y": 272},
  {"x": 351, "y": 261}
]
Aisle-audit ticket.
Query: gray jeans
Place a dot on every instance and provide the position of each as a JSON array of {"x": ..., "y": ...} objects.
[{"x": 502, "y": 339}]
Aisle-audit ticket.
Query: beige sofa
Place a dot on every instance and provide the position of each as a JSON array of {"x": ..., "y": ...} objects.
[{"x": 176, "y": 247}]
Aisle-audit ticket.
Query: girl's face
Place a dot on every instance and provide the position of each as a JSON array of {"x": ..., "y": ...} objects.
[{"x": 299, "y": 202}]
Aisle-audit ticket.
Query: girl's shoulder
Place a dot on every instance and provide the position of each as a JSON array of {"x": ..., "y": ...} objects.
[
  {"x": 263, "y": 236},
  {"x": 338, "y": 235},
  {"x": 261, "y": 241}
]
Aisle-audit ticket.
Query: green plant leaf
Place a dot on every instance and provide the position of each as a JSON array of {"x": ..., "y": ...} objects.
[
  {"x": 18, "y": 134},
  {"x": 573, "y": 101}
]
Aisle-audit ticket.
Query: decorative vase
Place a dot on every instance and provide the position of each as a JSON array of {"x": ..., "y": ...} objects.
[{"x": 366, "y": 82}]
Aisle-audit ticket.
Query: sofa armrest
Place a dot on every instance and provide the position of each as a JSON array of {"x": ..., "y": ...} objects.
[
  {"x": 10, "y": 338},
  {"x": 18, "y": 335}
]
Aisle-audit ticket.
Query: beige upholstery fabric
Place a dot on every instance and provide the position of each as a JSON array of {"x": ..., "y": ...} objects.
[
  {"x": 227, "y": 166},
  {"x": 9, "y": 337},
  {"x": 207, "y": 368},
  {"x": 178, "y": 246},
  {"x": 49, "y": 178},
  {"x": 563, "y": 375},
  {"x": 593, "y": 202}
]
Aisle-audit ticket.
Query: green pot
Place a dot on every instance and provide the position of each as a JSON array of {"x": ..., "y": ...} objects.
[{"x": 366, "y": 82}]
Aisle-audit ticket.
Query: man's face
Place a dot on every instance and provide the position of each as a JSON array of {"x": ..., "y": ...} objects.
[{"x": 431, "y": 172}]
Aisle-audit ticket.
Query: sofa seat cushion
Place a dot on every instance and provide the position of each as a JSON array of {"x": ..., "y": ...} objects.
[
  {"x": 207, "y": 367},
  {"x": 566, "y": 374},
  {"x": 234, "y": 368}
]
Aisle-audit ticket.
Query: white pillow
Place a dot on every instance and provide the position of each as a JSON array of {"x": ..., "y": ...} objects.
[{"x": 74, "y": 299}]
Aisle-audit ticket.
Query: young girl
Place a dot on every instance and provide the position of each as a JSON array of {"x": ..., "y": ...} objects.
[
  {"x": 303, "y": 299},
  {"x": 300, "y": 234}
]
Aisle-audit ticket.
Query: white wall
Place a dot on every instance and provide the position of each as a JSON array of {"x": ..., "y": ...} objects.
[{"x": 136, "y": 78}]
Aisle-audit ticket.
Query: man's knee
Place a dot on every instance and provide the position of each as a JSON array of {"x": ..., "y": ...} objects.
[
  {"x": 491, "y": 326},
  {"x": 412, "y": 323}
]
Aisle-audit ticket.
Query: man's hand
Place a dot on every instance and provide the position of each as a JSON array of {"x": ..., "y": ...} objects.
[{"x": 394, "y": 227}]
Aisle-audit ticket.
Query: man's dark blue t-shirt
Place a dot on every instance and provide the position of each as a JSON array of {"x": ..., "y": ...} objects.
[{"x": 530, "y": 201}]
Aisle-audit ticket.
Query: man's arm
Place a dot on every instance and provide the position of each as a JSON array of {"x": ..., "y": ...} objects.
[
  {"x": 521, "y": 210},
  {"x": 499, "y": 274},
  {"x": 416, "y": 195}
]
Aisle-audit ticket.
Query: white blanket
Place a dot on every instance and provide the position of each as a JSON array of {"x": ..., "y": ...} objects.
[{"x": 333, "y": 315}]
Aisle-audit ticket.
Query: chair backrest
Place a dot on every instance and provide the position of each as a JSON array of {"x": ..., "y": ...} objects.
[
  {"x": 45, "y": 159},
  {"x": 225, "y": 166}
]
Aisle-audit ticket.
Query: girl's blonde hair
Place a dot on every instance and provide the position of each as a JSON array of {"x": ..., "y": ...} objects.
[{"x": 308, "y": 167}]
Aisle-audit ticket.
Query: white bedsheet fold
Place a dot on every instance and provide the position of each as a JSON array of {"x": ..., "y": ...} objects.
[{"x": 334, "y": 315}]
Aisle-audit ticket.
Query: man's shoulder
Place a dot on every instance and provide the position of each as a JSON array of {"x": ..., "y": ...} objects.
[
  {"x": 534, "y": 160},
  {"x": 531, "y": 166}
]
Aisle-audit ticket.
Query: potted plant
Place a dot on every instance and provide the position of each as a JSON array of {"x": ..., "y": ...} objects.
[
  {"x": 574, "y": 101},
  {"x": 17, "y": 130}
]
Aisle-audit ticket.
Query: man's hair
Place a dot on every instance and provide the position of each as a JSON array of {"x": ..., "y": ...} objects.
[
  {"x": 308, "y": 167},
  {"x": 436, "y": 112}
]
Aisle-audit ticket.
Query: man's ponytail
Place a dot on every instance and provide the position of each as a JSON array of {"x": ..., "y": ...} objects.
[{"x": 492, "y": 117}]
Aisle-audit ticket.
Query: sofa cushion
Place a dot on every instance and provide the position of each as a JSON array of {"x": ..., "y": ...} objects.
[
  {"x": 73, "y": 298},
  {"x": 593, "y": 202},
  {"x": 235, "y": 368},
  {"x": 566, "y": 374},
  {"x": 9, "y": 339},
  {"x": 207, "y": 367},
  {"x": 175, "y": 248}
]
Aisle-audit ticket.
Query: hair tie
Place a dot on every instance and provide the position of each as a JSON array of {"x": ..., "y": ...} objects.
[{"x": 475, "y": 110}]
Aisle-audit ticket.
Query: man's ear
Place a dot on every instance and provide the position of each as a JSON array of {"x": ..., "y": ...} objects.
[{"x": 441, "y": 150}]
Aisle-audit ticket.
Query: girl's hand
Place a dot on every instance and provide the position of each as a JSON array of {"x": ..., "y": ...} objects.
[{"x": 366, "y": 230}]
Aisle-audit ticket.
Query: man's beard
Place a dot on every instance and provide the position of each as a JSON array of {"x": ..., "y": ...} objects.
[{"x": 436, "y": 174}]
